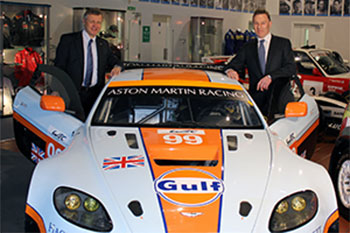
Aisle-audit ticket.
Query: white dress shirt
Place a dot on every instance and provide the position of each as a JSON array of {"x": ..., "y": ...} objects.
[{"x": 267, "y": 42}]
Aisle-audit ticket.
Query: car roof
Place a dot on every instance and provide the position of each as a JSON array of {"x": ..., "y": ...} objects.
[{"x": 174, "y": 77}]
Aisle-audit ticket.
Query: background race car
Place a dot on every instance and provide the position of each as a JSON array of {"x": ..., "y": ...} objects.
[
  {"x": 322, "y": 71},
  {"x": 339, "y": 166}
]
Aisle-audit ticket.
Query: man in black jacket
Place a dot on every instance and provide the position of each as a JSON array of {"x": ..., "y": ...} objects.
[
  {"x": 269, "y": 60},
  {"x": 86, "y": 58}
]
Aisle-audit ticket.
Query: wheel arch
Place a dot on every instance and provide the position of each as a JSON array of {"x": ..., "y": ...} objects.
[{"x": 341, "y": 145}]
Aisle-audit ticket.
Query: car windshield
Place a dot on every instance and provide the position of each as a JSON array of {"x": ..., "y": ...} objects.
[
  {"x": 180, "y": 107},
  {"x": 329, "y": 62}
]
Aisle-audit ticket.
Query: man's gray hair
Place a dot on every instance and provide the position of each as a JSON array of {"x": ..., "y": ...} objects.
[{"x": 92, "y": 11}]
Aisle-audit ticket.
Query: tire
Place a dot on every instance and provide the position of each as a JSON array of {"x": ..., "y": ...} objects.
[
  {"x": 322, "y": 125},
  {"x": 341, "y": 181}
]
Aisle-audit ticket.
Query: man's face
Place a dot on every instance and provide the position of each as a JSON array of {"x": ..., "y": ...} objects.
[
  {"x": 92, "y": 24},
  {"x": 308, "y": 6},
  {"x": 321, "y": 4},
  {"x": 262, "y": 25},
  {"x": 336, "y": 5},
  {"x": 298, "y": 5}
]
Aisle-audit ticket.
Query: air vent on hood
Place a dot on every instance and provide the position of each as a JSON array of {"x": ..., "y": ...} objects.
[
  {"x": 171, "y": 162},
  {"x": 135, "y": 207},
  {"x": 232, "y": 142},
  {"x": 112, "y": 133},
  {"x": 245, "y": 208},
  {"x": 131, "y": 139}
]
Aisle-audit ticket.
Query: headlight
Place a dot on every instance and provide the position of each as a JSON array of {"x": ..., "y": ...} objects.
[
  {"x": 82, "y": 209},
  {"x": 293, "y": 211}
]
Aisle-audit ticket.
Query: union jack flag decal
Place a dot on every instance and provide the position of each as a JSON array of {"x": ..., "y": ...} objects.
[
  {"x": 123, "y": 162},
  {"x": 37, "y": 154}
]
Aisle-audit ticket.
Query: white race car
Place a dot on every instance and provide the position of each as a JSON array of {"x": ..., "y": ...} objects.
[{"x": 170, "y": 150}]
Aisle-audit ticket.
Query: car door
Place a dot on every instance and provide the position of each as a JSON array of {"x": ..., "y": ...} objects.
[{"x": 39, "y": 132}]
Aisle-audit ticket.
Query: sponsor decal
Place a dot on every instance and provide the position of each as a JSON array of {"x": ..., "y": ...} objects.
[
  {"x": 37, "y": 154},
  {"x": 214, "y": 92},
  {"x": 180, "y": 131},
  {"x": 54, "y": 229},
  {"x": 191, "y": 214},
  {"x": 189, "y": 187},
  {"x": 131, "y": 161},
  {"x": 58, "y": 134},
  {"x": 290, "y": 138},
  {"x": 334, "y": 126},
  {"x": 334, "y": 88}
]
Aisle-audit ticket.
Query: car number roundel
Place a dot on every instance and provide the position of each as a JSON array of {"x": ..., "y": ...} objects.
[{"x": 189, "y": 187}]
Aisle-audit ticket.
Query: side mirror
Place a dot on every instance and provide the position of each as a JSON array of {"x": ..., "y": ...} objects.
[
  {"x": 52, "y": 103},
  {"x": 316, "y": 72},
  {"x": 296, "y": 109}
]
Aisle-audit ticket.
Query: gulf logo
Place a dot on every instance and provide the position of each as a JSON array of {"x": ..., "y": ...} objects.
[{"x": 189, "y": 187}]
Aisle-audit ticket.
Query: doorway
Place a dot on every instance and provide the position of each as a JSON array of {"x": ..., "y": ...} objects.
[
  {"x": 134, "y": 38},
  {"x": 161, "y": 38},
  {"x": 308, "y": 34}
]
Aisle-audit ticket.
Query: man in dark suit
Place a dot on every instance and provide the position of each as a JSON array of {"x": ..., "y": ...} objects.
[
  {"x": 269, "y": 60},
  {"x": 86, "y": 58}
]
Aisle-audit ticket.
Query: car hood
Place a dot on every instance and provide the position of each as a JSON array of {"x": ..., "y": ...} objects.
[{"x": 197, "y": 177}]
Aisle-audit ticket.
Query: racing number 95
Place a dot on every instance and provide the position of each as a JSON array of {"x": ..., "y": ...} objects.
[{"x": 177, "y": 139}]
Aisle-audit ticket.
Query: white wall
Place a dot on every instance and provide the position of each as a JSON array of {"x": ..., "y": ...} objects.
[
  {"x": 337, "y": 28},
  {"x": 180, "y": 17}
]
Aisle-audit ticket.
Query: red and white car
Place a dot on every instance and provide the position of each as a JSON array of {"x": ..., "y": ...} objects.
[{"x": 322, "y": 71}]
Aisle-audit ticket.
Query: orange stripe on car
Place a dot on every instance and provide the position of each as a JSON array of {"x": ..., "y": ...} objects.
[
  {"x": 185, "y": 211},
  {"x": 334, "y": 217},
  {"x": 37, "y": 132},
  {"x": 296, "y": 144},
  {"x": 175, "y": 74},
  {"x": 36, "y": 217}
]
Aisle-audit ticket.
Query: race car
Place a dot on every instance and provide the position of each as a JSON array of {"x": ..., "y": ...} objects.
[
  {"x": 170, "y": 150},
  {"x": 322, "y": 71},
  {"x": 339, "y": 166},
  {"x": 332, "y": 111}
]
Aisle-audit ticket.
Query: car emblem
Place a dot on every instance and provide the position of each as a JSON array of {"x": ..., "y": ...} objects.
[{"x": 189, "y": 187}]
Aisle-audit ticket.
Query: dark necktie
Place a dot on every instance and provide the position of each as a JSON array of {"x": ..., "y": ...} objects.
[
  {"x": 261, "y": 53},
  {"x": 89, "y": 65}
]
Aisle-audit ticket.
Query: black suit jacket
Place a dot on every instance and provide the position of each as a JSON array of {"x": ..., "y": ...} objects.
[
  {"x": 70, "y": 58},
  {"x": 279, "y": 64}
]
